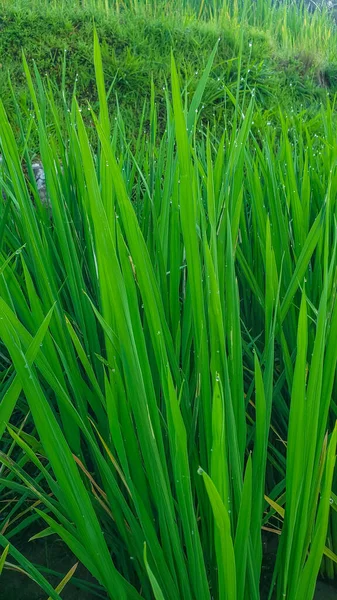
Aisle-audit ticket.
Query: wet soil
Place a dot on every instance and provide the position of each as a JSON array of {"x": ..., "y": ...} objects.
[{"x": 56, "y": 557}]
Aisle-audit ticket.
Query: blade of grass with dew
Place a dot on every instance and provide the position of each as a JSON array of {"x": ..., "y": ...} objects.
[{"x": 223, "y": 541}]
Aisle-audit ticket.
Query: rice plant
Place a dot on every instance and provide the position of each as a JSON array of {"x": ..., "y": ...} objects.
[{"x": 168, "y": 322}]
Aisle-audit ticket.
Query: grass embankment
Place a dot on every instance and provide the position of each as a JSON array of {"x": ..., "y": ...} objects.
[{"x": 286, "y": 57}]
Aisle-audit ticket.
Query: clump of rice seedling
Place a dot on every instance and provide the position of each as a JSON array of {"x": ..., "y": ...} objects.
[{"x": 168, "y": 347}]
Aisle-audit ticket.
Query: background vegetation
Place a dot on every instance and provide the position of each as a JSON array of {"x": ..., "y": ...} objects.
[{"x": 286, "y": 54}]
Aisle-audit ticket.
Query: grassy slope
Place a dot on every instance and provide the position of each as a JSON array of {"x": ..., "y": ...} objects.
[{"x": 136, "y": 46}]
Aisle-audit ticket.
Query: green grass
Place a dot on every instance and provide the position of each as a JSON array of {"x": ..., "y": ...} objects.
[
  {"x": 168, "y": 319},
  {"x": 287, "y": 55},
  {"x": 168, "y": 324}
]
